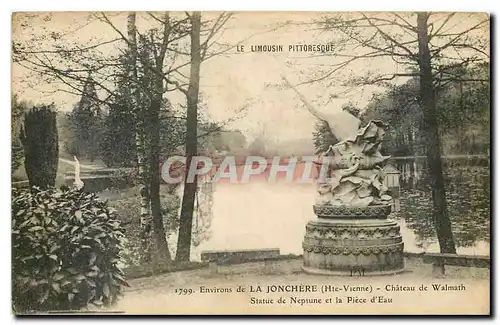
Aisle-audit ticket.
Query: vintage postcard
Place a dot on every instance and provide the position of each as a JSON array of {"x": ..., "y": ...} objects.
[{"x": 251, "y": 163}]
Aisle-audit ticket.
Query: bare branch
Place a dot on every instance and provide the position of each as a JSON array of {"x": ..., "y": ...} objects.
[
  {"x": 469, "y": 46},
  {"x": 391, "y": 39},
  {"x": 407, "y": 25},
  {"x": 382, "y": 78},
  {"x": 106, "y": 20},
  {"x": 219, "y": 23},
  {"x": 431, "y": 35},
  {"x": 166, "y": 35},
  {"x": 457, "y": 37},
  {"x": 465, "y": 79},
  {"x": 162, "y": 22},
  {"x": 178, "y": 85},
  {"x": 82, "y": 49}
]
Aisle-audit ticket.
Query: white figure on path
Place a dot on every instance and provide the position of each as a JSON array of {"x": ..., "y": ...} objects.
[{"x": 78, "y": 181}]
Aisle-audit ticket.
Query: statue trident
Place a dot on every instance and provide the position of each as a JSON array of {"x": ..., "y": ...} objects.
[{"x": 342, "y": 124}]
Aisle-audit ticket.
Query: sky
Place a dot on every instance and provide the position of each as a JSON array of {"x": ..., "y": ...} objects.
[{"x": 239, "y": 79}]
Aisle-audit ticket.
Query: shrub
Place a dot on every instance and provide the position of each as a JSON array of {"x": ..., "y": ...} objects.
[
  {"x": 17, "y": 157},
  {"x": 66, "y": 250},
  {"x": 124, "y": 177},
  {"x": 41, "y": 146},
  {"x": 127, "y": 203},
  {"x": 18, "y": 108}
]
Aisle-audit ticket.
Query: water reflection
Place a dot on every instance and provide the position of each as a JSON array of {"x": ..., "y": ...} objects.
[
  {"x": 273, "y": 215},
  {"x": 468, "y": 197}
]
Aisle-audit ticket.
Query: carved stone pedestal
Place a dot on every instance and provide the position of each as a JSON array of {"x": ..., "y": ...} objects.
[{"x": 353, "y": 241}]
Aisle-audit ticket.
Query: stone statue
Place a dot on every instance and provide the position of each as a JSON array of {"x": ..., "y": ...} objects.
[
  {"x": 78, "y": 181},
  {"x": 352, "y": 233},
  {"x": 351, "y": 171}
]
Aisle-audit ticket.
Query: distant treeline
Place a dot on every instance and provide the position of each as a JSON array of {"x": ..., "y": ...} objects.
[
  {"x": 464, "y": 115},
  {"x": 463, "y": 108}
]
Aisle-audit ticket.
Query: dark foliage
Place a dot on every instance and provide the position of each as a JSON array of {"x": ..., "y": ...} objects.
[
  {"x": 86, "y": 124},
  {"x": 17, "y": 110},
  {"x": 66, "y": 247},
  {"x": 117, "y": 146},
  {"x": 41, "y": 147}
]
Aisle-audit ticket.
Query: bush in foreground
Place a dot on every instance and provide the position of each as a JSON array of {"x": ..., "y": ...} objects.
[{"x": 66, "y": 248}]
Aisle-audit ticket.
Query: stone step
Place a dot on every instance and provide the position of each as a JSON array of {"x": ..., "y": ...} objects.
[{"x": 479, "y": 261}]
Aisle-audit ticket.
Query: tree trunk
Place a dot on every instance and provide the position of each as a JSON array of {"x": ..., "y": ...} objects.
[
  {"x": 162, "y": 251},
  {"x": 431, "y": 133},
  {"x": 135, "y": 99},
  {"x": 187, "y": 209}
]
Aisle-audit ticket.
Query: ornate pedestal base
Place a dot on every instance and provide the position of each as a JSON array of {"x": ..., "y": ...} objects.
[{"x": 353, "y": 241}]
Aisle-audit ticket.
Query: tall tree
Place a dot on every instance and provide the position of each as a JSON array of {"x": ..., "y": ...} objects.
[
  {"x": 86, "y": 122},
  {"x": 188, "y": 198},
  {"x": 117, "y": 147},
  {"x": 153, "y": 60},
  {"x": 135, "y": 102},
  {"x": 41, "y": 146},
  {"x": 399, "y": 107},
  {"x": 158, "y": 52},
  {"x": 433, "y": 144},
  {"x": 63, "y": 62}
]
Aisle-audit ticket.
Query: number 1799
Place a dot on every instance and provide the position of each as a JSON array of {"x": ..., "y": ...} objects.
[{"x": 183, "y": 291}]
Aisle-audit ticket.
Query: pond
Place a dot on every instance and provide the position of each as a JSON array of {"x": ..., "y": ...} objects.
[{"x": 263, "y": 214}]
